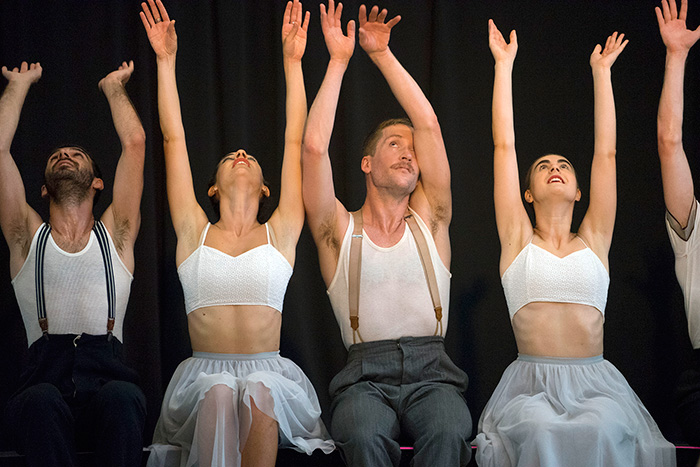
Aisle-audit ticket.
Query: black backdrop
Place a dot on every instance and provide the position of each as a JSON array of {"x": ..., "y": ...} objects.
[{"x": 232, "y": 90}]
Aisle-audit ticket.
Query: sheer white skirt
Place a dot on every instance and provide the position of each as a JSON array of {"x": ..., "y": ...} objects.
[
  {"x": 206, "y": 413},
  {"x": 568, "y": 412}
]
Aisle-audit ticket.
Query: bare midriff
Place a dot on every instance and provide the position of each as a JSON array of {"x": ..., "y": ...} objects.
[
  {"x": 568, "y": 330},
  {"x": 241, "y": 329}
]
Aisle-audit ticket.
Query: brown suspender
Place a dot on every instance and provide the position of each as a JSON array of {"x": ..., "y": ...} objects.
[{"x": 356, "y": 267}]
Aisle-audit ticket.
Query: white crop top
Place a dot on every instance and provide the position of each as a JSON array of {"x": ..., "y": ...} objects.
[
  {"x": 75, "y": 290},
  {"x": 211, "y": 277},
  {"x": 536, "y": 275}
]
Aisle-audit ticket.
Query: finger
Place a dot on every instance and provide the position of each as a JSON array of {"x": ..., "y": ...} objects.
[
  {"x": 351, "y": 29},
  {"x": 154, "y": 11},
  {"x": 597, "y": 49},
  {"x": 382, "y": 15},
  {"x": 620, "y": 39},
  {"x": 362, "y": 15},
  {"x": 131, "y": 65},
  {"x": 307, "y": 18},
  {"x": 684, "y": 10},
  {"x": 323, "y": 15},
  {"x": 148, "y": 14},
  {"x": 163, "y": 11},
  {"x": 24, "y": 67},
  {"x": 146, "y": 25},
  {"x": 296, "y": 12},
  {"x": 659, "y": 17},
  {"x": 674, "y": 9},
  {"x": 286, "y": 18},
  {"x": 666, "y": 10},
  {"x": 394, "y": 21},
  {"x": 293, "y": 32},
  {"x": 338, "y": 14},
  {"x": 513, "y": 37},
  {"x": 331, "y": 8},
  {"x": 373, "y": 14}
]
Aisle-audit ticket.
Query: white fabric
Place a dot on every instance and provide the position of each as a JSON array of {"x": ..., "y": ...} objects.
[
  {"x": 555, "y": 412},
  {"x": 536, "y": 275},
  {"x": 686, "y": 248},
  {"x": 394, "y": 295},
  {"x": 75, "y": 290},
  {"x": 187, "y": 424},
  {"x": 211, "y": 277}
]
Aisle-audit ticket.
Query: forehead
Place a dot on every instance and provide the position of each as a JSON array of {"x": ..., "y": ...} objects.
[
  {"x": 401, "y": 131},
  {"x": 73, "y": 149},
  {"x": 550, "y": 159}
]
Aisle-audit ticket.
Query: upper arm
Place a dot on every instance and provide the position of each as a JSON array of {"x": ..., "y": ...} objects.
[
  {"x": 433, "y": 193},
  {"x": 598, "y": 223},
  {"x": 679, "y": 190}
]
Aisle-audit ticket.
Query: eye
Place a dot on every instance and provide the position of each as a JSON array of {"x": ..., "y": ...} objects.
[
  {"x": 564, "y": 166},
  {"x": 252, "y": 158}
]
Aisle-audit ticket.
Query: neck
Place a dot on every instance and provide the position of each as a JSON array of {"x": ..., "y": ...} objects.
[
  {"x": 384, "y": 213},
  {"x": 71, "y": 220},
  {"x": 238, "y": 214}
]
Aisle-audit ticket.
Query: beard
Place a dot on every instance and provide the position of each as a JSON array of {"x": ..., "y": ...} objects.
[{"x": 66, "y": 186}]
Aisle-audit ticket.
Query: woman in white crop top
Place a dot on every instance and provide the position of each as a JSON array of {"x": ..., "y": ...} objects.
[
  {"x": 560, "y": 403},
  {"x": 230, "y": 403}
]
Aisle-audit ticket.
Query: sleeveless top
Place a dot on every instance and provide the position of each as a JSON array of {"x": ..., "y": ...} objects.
[
  {"x": 211, "y": 277},
  {"x": 75, "y": 289},
  {"x": 395, "y": 299},
  {"x": 536, "y": 275}
]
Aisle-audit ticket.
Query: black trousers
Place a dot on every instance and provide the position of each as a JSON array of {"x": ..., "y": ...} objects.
[{"x": 76, "y": 393}]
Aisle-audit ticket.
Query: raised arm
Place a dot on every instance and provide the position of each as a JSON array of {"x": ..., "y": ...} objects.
[
  {"x": 188, "y": 217},
  {"x": 326, "y": 216},
  {"x": 514, "y": 227},
  {"x": 123, "y": 217},
  {"x": 432, "y": 198},
  {"x": 17, "y": 220},
  {"x": 288, "y": 218},
  {"x": 677, "y": 180},
  {"x": 597, "y": 225}
]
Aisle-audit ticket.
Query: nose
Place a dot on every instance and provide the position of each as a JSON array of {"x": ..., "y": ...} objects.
[
  {"x": 240, "y": 153},
  {"x": 554, "y": 168}
]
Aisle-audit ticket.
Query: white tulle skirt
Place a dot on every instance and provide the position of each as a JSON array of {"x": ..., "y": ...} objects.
[
  {"x": 568, "y": 412},
  {"x": 206, "y": 411}
]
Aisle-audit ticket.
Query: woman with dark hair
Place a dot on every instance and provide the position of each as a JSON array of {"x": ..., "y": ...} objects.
[
  {"x": 236, "y": 396},
  {"x": 560, "y": 403}
]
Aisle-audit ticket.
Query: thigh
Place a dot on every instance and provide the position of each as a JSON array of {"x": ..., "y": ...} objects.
[{"x": 364, "y": 407}]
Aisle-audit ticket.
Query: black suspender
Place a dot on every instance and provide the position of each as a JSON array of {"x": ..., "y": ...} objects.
[{"x": 102, "y": 240}]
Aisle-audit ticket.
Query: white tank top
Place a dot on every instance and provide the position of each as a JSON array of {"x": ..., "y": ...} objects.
[
  {"x": 536, "y": 275},
  {"x": 75, "y": 290},
  {"x": 394, "y": 295},
  {"x": 211, "y": 277}
]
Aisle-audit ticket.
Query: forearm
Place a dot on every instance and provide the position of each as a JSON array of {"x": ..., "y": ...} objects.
[
  {"x": 407, "y": 92},
  {"x": 319, "y": 125},
  {"x": 502, "y": 107},
  {"x": 11, "y": 104},
  {"x": 126, "y": 120},
  {"x": 604, "y": 112},
  {"x": 670, "y": 116},
  {"x": 296, "y": 106},
  {"x": 169, "y": 102}
]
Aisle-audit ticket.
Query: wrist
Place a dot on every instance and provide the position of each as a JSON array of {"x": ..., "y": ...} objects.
[
  {"x": 379, "y": 55},
  {"x": 676, "y": 55},
  {"x": 338, "y": 62}
]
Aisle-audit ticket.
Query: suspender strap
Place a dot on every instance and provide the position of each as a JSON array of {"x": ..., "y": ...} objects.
[
  {"x": 424, "y": 253},
  {"x": 101, "y": 234},
  {"x": 354, "y": 272},
  {"x": 39, "y": 278}
]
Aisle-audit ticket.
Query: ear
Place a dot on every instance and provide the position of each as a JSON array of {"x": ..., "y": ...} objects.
[
  {"x": 266, "y": 191},
  {"x": 44, "y": 191},
  {"x": 213, "y": 190},
  {"x": 366, "y": 164},
  {"x": 98, "y": 184},
  {"x": 528, "y": 196},
  {"x": 578, "y": 194}
]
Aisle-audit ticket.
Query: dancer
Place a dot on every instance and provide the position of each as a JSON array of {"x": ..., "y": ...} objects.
[
  {"x": 229, "y": 403},
  {"x": 560, "y": 403},
  {"x": 398, "y": 378}
]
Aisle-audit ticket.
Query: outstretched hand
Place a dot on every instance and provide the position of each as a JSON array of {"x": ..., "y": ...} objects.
[
  {"x": 159, "y": 27},
  {"x": 674, "y": 32},
  {"x": 605, "y": 57},
  {"x": 340, "y": 46},
  {"x": 26, "y": 73},
  {"x": 294, "y": 30},
  {"x": 502, "y": 51},
  {"x": 121, "y": 75},
  {"x": 374, "y": 32}
]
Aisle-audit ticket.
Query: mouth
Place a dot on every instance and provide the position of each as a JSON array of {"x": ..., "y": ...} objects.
[
  {"x": 405, "y": 167},
  {"x": 555, "y": 179},
  {"x": 241, "y": 161}
]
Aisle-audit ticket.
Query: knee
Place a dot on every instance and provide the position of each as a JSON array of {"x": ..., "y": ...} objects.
[
  {"x": 42, "y": 400},
  {"x": 123, "y": 399}
]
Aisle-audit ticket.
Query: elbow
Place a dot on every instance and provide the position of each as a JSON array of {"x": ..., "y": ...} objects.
[
  {"x": 430, "y": 123},
  {"x": 312, "y": 149},
  {"x": 136, "y": 140},
  {"x": 669, "y": 140}
]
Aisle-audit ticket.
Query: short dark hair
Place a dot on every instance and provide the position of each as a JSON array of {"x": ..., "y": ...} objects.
[
  {"x": 370, "y": 144},
  {"x": 96, "y": 171},
  {"x": 265, "y": 206}
]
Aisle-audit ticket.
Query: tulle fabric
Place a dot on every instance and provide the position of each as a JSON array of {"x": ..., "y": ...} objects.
[
  {"x": 568, "y": 412},
  {"x": 206, "y": 411}
]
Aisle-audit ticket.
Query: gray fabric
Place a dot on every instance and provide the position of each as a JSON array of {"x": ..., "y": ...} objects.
[
  {"x": 409, "y": 388},
  {"x": 570, "y": 412}
]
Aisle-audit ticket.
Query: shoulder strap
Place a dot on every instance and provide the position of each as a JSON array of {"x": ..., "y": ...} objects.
[
  {"x": 45, "y": 231},
  {"x": 428, "y": 269},
  {"x": 102, "y": 239},
  {"x": 354, "y": 274},
  {"x": 271, "y": 239}
]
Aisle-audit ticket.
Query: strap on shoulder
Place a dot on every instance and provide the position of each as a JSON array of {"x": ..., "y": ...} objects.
[{"x": 354, "y": 274}]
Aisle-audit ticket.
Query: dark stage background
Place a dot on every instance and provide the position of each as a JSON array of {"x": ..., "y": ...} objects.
[{"x": 232, "y": 90}]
